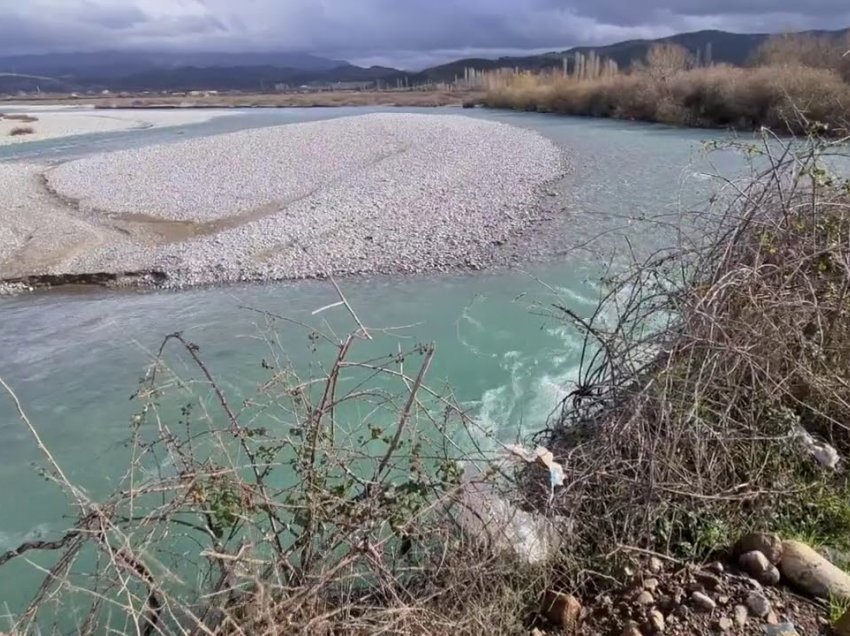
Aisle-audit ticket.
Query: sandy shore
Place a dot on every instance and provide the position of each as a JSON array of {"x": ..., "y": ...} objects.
[
  {"x": 383, "y": 193},
  {"x": 52, "y": 124}
]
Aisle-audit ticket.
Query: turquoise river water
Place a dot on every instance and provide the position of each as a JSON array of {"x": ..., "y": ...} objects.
[{"x": 74, "y": 358}]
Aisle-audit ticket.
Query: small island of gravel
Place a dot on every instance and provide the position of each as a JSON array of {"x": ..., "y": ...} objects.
[{"x": 380, "y": 193}]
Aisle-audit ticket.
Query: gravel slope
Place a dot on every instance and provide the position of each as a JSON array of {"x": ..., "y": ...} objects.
[{"x": 385, "y": 193}]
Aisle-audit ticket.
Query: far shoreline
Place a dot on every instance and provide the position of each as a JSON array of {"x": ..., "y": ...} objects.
[{"x": 319, "y": 99}]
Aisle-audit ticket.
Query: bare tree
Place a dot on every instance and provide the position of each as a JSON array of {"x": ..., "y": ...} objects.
[{"x": 664, "y": 60}]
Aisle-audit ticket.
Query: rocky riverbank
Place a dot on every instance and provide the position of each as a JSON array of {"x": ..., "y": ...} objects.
[{"x": 383, "y": 193}]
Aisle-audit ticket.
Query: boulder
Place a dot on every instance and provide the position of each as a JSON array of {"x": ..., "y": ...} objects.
[
  {"x": 483, "y": 513},
  {"x": 807, "y": 570},
  {"x": 769, "y": 545}
]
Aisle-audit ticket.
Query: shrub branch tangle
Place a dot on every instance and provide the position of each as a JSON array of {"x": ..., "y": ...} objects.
[
  {"x": 691, "y": 421},
  {"x": 314, "y": 506}
]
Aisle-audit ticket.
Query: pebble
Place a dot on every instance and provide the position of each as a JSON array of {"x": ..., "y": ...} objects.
[
  {"x": 708, "y": 580},
  {"x": 715, "y": 567},
  {"x": 724, "y": 624},
  {"x": 758, "y": 605},
  {"x": 645, "y": 598},
  {"x": 656, "y": 622},
  {"x": 783, "y": 629},
  {"x": 703, "y": 602},
  {"x": 741, "y": 615},
  {"x": 378, "y": 193},
  {"x": 631, "y": 629}
]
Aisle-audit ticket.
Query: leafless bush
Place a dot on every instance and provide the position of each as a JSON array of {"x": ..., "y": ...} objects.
[
  {"x": 19, "y": 117},
  {"x": 21, "y": 130},
  {"x": 792, "y": 75},
  {"x": 705, "y": 371},
  {"x": 319, "y": 505},
  {"x": 824, "y": 52}
]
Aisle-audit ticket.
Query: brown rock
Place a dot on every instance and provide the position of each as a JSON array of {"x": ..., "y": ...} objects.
[
  {"x": 650, "y": 585},
  {"x": 703, "y": 602},
  {"x": 812, "y": 573},
  {"x": 724, "y": 625},
  {"x": 769, "y": 545},
  {"x": 655, "y": 565},
  {"x": 772, "y": 618},
  {"x": 741, "y": 615},
  {"x": 758, "y": 566},
  {"x": 562, "y": 609}
]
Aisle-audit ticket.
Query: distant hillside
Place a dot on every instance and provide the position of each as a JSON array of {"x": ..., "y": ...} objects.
[
  {"x": 104, "y": 64},
  {"x": 140, "y": 71},
  {"x": 719, "y": 46},
  {"x": 164, "y": 71}
]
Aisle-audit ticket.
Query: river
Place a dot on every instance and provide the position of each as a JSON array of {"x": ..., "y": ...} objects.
[{"x": 74, "y": 358}]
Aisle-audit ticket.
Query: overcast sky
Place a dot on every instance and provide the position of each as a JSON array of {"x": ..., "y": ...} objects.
[{"x": 406, "y": 33}]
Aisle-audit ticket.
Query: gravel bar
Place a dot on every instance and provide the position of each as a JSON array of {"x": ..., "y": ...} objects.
[{"x": 379, "y": 193}]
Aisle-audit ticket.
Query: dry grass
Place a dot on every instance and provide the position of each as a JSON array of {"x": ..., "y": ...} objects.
[
  {"x": 400, "y": 98},
  {"x": 794, "y": 80},
  {"x": 703, "y": 97}
]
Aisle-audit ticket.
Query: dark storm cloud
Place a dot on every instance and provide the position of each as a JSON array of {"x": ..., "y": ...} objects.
[{"x": 412, "y": 31}]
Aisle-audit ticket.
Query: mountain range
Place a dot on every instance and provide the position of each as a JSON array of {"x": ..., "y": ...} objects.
[{"x": 139, "y": 71}]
